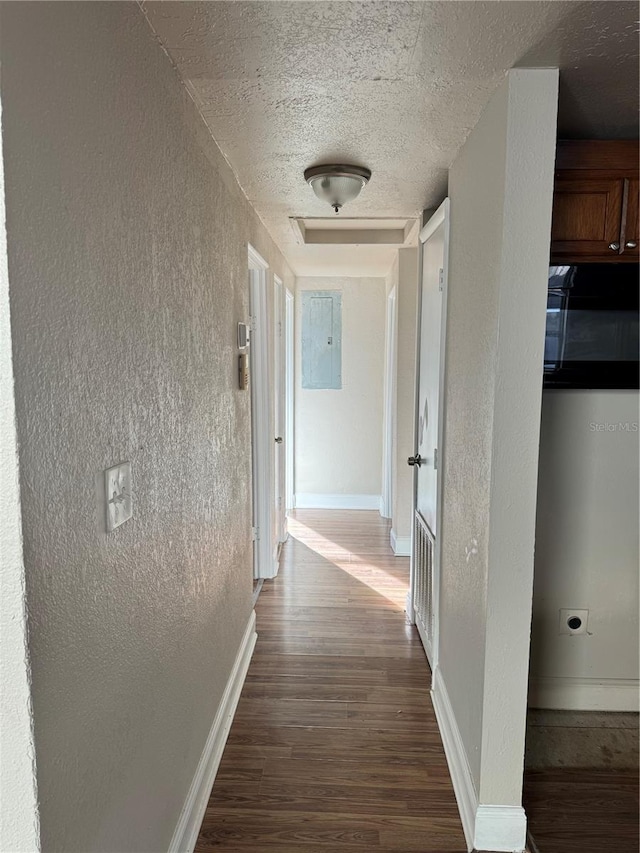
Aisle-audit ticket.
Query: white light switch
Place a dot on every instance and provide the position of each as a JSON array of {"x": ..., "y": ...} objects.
[{"x": 117, "y": 483}]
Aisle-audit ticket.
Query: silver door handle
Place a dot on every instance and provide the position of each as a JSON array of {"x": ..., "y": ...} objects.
[
  {"x": 630, "y": 244},
  {"x": 279, "y": 440},
  {"x": 614, "y": 246},
  {"x": 415, "y": 460}
]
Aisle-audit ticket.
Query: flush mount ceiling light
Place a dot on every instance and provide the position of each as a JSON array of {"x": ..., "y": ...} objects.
[{"x": 337, "y": 183}]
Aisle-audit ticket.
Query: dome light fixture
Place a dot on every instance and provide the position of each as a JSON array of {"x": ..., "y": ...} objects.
[{"x": 337, "y": 183}]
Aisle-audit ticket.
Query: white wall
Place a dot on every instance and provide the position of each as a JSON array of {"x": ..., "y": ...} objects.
[
  {"x": 587, "y": 551},
  {"x": 127, "y": 245},
  {"x": 500, "y": 188},
  {"x": 339, "y": 432},
  {"x": 19, "y": 829},
  {"x": 404, "y": 276}
]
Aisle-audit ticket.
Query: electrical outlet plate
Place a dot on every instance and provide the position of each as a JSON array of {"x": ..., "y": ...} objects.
[
  {"x": 117, "y": 483},
  {"x": 567, "y": 615}
]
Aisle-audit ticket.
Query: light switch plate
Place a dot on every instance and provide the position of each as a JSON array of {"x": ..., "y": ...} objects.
[{"x": 117, "y": 483}]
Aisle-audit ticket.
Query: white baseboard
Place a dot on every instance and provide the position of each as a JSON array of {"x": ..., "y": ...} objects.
[
  {"x": 400, "y": 545},
  {"x": 306, "y": 500},
  {"x": 486, "y": 827},
  {"x": 186, "y": 833},
  {"x": 584, "y": 694},
  {"x": 456, "y": 757},
  {"x": 501, "y": 828}
]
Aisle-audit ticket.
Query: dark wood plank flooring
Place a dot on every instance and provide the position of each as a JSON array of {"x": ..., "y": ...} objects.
[
  {"x": 582, "y": 810},
  {"x": 335, "y": 745}
]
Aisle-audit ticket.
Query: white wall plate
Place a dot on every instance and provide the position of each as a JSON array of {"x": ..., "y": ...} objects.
[
  {"x": 573, "y": 621},
  {"x": 117, "y": 483}
]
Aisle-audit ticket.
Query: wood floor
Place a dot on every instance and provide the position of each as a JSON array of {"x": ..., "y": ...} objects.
[
  {"x": 334, "y": 746},
  {"x": 582, "y": 810}
]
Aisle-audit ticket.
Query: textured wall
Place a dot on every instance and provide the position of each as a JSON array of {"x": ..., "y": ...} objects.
[
  {"x": 339, "y": 433},
  {"x": 501, "y": 193},
  {"x": 127, "y": 238},
  {"x": 19, "y": 830},
  {"x": 587, "y": 537}
]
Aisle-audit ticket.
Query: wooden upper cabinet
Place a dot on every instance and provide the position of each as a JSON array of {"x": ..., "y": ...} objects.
[
  {"x": 595, "y": 203},
  {"x": 586, "y": 216},
  {"x": 631, "y": 236}
]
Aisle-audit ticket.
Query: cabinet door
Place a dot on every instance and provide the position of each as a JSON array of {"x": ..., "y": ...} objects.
[
  {"x": 631, "y": 225},
  {"x": 586, "y": 218}
]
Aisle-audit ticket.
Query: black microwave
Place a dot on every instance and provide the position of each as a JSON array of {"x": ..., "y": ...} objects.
[{"x": 592, "y": 327}]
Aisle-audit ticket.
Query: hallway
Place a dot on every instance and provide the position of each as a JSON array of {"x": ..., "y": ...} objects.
[{"x": 334, "y": 745}]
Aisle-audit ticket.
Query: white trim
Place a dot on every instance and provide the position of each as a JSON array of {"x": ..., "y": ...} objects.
[
  {"x": 311, "y": 501},
  {"x": 386, "y": 504},
  {"x": 186, "y": 832},
  {"x": 435, "y": 221},
  {"x": 584, "y": 694},
  {"x": 400, "y": 545},
  {"x": 256, "y": 261},
  {"x": 497, "y": 828},
  {"x": 501, "y": 828},
  {"x": 459, "y": 769}
]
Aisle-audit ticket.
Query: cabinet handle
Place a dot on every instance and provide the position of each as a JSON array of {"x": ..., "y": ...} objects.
[
  {"x": 631, "y": 244},
  {"x": 614, "y": 246}
]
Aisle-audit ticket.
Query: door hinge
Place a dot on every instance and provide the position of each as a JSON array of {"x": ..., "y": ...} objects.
[
  {"x": 255, "y": 534},
  {"x": 441, "y": 279},
  {"x": 435, "y": 457}
]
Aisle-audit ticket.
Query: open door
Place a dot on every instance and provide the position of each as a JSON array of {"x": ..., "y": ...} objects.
[
  {"x": 428, "y": 439},
  {"x": 265, "y": 564},
  {"x": 279, "y": 389},
  {"x": 289, "y": 402}
]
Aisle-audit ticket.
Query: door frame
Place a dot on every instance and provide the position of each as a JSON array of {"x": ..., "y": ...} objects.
[
  {"x": 264, "y": 565},
  {"x": 289, "y": 437},
  {"x": 440, "y": 217},
  {"x": 386, "y": 507}
]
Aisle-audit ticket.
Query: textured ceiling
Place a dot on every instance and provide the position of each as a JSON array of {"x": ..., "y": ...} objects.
[{"x": 395, "y": 86}]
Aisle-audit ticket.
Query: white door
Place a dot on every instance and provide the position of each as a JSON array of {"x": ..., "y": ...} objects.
[
  {"x": 428, "y": 448},
  {"x": 260, "y": 383},
  {"x": 279, "y": 383},
  {"x": 289, "y": 390}
]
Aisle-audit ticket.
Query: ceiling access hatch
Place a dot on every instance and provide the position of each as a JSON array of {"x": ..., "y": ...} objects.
[{"x": 331, "y": 231}]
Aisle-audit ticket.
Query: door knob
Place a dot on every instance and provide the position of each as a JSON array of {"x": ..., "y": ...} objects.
[
  {"x": 415, "y": 460},
  {"x": 614, "y": 246},
  {"x": 279, "y": 440},
  {"x": 631, "y": 244}
]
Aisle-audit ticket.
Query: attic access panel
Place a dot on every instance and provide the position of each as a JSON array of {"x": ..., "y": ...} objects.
[{"x": 322, "y": 340}]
